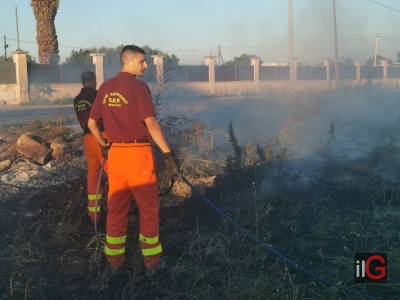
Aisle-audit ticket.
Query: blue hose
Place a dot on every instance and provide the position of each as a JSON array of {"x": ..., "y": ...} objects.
[{"x": 230, "y": 220}]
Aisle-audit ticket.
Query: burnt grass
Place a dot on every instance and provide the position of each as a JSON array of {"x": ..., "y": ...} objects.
[{"x": 49, "y": 250}]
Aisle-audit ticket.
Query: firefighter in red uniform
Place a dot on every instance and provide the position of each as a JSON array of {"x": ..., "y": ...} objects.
[
  {"x": 82, "y": 105},
  {"x": 125, "y": 105}
]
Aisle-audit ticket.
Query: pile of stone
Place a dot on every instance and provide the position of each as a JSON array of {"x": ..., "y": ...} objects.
[{"x": 41, "y": 165}]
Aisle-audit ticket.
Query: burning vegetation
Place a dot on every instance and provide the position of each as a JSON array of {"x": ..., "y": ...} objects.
[{"x": 313, "y": 177}]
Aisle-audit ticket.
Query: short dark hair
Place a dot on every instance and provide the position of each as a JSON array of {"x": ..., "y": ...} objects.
[
  {"x": 88, "y": 77},
  {"x": 131, "y": 48}
]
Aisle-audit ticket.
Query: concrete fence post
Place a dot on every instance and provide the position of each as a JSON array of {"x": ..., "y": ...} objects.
[
  {"x": 159, "y": 63},
  {"x": 21, "y": 70},
  {"x": 210, "y": 62},
  {"x": 357, "y": 64},
  {"x": 98, "y": 61},
  {"x": 255, "y": 62},
  {"x": 384, "y": 64},
  {"x": 327, "y": 64}
]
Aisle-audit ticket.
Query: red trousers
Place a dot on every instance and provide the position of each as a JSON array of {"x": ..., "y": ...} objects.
[
  {"x": 132, "y": 172},
  {"x": 94, "y": 159}
]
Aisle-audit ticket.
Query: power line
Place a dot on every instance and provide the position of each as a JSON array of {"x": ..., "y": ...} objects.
[
  {"x": 191, "y": 50},
  {"x": 65, "y": 46},
  {"x": 388, "y": 41},
  {"x": 216, "y": 48},
  {"x": 389, "y": 38},
  {"x": 305, "y": 44},
  {"x": 30, "y": 42},
  {"x": 384, "y": 6}
]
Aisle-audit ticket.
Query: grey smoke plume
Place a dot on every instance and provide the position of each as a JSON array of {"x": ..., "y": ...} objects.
[{"x": 313, "y": 127}]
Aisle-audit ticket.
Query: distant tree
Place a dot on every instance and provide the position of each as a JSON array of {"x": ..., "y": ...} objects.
[
  {"x": 45, "y": 12},
  {"x": 343, "y": 62},
  {"x": 3, "y": 59},
  {"x": 79, "y": 57},
  {"x": 398, "y": 57},
  {"x": 112, "y": 54},
  {"x": 82, "y": 56},
  {"x": 30, "y": 59},
  {"x": 243, "y": 60},
  {"x": 346, "y": 62},
  {"x": 172, "y": 60},
  {"x": 370, "y": 62}
]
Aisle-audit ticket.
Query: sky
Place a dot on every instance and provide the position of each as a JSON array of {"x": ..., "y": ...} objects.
[{"x": 195, "y": 29}]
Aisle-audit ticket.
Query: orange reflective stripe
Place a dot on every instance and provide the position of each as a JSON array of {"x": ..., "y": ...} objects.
[
  {"x": 147, "y": 240},
  {"x": 152, "y": 251},
  {"x": 93, "y": 197},
  {"x": 93, "y": 209},
  {"x": 116, "y": 240},
  {"x": 114, "y": 252}
]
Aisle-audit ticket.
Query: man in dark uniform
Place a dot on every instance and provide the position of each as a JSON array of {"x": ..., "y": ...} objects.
[
  {"x": 82, "y": 105},
  {"x": 125, "y": 105}
]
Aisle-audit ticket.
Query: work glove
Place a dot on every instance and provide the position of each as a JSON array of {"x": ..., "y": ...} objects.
[
  {"x": 105, "y": 149},
  {"x": 172, "y": 165}
]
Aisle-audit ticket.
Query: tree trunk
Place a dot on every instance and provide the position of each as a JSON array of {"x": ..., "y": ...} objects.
[{"x": 45, "y": 12}]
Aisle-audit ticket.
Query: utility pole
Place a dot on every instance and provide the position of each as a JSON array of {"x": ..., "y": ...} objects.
[
  {"x": 376, "y": 48},
  {"x": 16, "y": 18},
  {"x": 337, "y": 73},
  {"x": 5, "y": 47},
  {"x": 219, "y": 55},
  {"x": 291, "y": 66}
]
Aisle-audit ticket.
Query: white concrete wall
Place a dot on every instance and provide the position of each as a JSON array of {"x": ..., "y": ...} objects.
[
  {"x": 63, "y": 90},
  {"x": 18, "y": 93},
  {"x": 184, "y": 90},
  {"x": 8, "y": 93}
]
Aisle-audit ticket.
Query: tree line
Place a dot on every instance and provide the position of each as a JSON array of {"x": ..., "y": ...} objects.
[{"x": 82, "y": 56}]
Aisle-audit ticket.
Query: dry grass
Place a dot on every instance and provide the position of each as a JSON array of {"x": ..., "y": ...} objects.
[{"x": 52, "y": 251}]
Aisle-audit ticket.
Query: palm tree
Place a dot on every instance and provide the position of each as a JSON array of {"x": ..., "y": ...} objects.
[{"x": 45, "y": 12}]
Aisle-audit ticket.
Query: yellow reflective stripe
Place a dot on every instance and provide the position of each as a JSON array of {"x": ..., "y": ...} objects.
[
  {"x": 93, "y": 209},
  {"x": 114, "y": 252},
  {"x": 151, "y": 251},
  {"x": 93, "y": 197},
  {"x": 116, "y": 240},
  {"x": 147, "y": 240}
]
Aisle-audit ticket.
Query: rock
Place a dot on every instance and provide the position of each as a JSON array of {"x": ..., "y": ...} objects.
[
  {"x": 32, "y": 149},
  {"x": 75, "y": 145},
  {"x": 59, "y": 148},
  {"x": 4, "y": 165}
]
